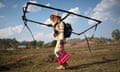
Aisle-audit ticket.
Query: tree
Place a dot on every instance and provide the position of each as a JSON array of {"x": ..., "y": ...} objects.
[
  {"x": 8, "y": 43},
  {"x": 33, "y": 44},
  {"x": 116, "y": 34},
  {"x": 50, "y": 44},
  {"x": 53, "y": 43},
  {"x": 40, "y": 44}
]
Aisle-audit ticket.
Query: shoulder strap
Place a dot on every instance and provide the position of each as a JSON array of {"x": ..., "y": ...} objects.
[{"x": 55, "y": 25}]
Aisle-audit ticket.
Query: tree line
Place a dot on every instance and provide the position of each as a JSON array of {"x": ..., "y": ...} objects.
[{"x": 13, "y": 43}]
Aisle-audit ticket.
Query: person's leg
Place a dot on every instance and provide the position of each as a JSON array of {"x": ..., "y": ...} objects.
[
  {"x": 62, "y": 47},
  {"x": 57, "y": 48},
  {"x": 57, "y": 52},
  {"x": 62, "y": 44}
]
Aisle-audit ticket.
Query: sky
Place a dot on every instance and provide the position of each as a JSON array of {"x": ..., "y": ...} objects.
[{"x": 11, "y": 24}]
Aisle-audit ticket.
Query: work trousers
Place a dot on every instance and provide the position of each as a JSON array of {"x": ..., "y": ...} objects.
[{"x": 58, "y": 47}]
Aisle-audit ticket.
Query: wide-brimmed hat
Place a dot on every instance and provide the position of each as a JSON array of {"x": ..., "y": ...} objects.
[{"x": 55, "y": 15}]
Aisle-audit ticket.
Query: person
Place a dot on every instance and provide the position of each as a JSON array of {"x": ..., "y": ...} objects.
[{"x": 58, "y": 28}]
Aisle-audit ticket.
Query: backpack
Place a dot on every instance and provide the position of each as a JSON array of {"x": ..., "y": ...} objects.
[{"x": 67, "y": 30}]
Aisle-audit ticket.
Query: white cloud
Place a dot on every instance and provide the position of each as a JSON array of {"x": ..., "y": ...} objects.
[
  {"x": 43, "y": 36},
  {"x": 28, "y": 38},
  {"x": 9, "y": 31},
  {"x": 107, "y": 10},
  {"x": 72, "y": 18},
  {"x": 48, "y": 21},
  {"x": 48, "y": 4},
  {"x": 46, "y": 37},
  {"x": 2, "y": 5},
  {"x": 33, "y": 8}
]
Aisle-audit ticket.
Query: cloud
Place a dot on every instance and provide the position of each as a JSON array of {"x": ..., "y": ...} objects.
[
  {"x": 46, "y": 37},
  {"x": 2, "y": 16},
  {"x": 2, "y": 5},
  {"x": 48, "y": 4},
  {"x": 43, "y": 36},
  {"x": 33, "y": 8},
  {"x": 107, "y": 10},
  {"x": 48, "y": 21},
  {"x": 72, "y": 18},
  {"x": 9, "y": 31}
]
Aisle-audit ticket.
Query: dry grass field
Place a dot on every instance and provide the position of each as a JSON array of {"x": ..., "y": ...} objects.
[{"x": 104, "y": 58}]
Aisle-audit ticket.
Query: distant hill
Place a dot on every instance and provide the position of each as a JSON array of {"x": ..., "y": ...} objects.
[{"x": 75, "y": 43}]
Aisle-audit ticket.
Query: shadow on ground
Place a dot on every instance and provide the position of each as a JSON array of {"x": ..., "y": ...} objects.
[
  {"x": 8, "y": 67},
  {"x": 89, "y": 64},
  {"x": 11, "y": 66}
]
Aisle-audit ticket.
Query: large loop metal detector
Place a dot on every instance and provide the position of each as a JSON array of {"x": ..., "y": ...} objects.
[{"x": 25, "y": 20}]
